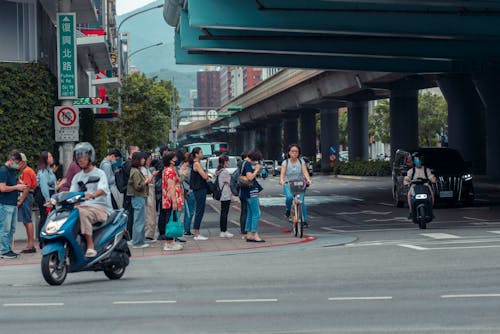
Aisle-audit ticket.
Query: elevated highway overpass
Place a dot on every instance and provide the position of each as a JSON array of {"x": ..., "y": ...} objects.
[{"x": 358, "y": 51}]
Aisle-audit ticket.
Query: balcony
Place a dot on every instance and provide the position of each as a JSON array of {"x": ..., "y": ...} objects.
[{"x": 84, "y": 9}]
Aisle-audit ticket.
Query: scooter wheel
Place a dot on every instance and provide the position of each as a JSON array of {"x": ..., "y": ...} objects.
[
  {"x": 114, "y": 272},
  {"x": 50, "y": 271}
]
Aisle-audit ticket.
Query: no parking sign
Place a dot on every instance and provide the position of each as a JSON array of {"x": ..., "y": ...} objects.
[{"x": 66, "y": 124}]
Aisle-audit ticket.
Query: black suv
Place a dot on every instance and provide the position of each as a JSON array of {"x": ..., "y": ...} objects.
[{"x": 453, "y": 175}]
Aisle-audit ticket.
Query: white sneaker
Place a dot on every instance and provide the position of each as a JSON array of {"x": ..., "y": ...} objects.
[
  {"x": 226, "y": 234},
  {"x": 141, "y": 246},
  {"x": 200, "y": 237},
  {"x": 173, "y": 247}
]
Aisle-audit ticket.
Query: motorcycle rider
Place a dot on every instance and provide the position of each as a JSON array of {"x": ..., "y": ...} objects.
[
  {"x": 97, "y": 205},
  {"x": 418, "y": 171}
]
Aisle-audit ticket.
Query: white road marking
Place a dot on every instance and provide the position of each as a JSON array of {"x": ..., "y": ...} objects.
[
  {"x": 331, "y": 229},
  {"x": 360, "y": 298},
  {"x": 496, "y": 232},
  {"x": 440, "y": 235},
  {"x": 412, "y": 247},
  {"x": 477, "y": 295},
  {"x": 316, "y": 191},
  {"x": 32, "y": 304},
  {"x": 472, "y": 218},
  {"x": 463, "y": 247},
  {"x": 246, "y": 300},
  {"x": 368, "y": 212},
  {"x": 135, "y": 302},
  {"x": 399, "y": 219},
  {"x": 386, "y": 204}
]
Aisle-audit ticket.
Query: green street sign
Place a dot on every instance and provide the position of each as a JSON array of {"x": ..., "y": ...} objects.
[
  {"x": 234, "y": 108},
  {"x": 224, "y": 114},
  {"x": 66, "y": 56}
]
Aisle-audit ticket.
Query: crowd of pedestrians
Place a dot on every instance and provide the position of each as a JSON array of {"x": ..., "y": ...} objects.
[{"x": 154, "y": 190}]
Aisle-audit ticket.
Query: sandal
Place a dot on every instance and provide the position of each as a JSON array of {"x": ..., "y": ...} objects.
[
  {"x": 29, "y": 250},
  {"x": 90, "y": 252}
]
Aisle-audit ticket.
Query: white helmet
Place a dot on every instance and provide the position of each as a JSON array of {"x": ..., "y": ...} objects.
[{"x": 84, "y": 149}]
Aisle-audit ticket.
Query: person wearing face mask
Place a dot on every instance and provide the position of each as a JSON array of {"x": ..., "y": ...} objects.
[
  {"x": 419, "y": 171},
  {"x": 47, "y": 182},
  {"x": 9, "y": 189},
  {"x": 107, "y": 167}
]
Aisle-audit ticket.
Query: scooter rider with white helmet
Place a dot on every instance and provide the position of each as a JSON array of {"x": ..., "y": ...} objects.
[{"x": 97, "y": 205}]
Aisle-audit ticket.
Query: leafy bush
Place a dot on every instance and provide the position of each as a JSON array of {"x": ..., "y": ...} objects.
[
  {"x": 27, "y": 99},
  {"x": 363, "y": 168}
]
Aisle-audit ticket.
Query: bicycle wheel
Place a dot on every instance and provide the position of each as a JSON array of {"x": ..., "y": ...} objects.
[
  {"x": 295, "y": 219},
  {"x": 300, "y": 223}
]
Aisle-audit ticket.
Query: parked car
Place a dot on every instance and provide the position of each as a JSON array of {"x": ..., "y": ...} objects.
[
  {"x": 277, "y": 166},
  {"x": 269, "y": 165},
  {"x": 213, "y": 162},
  {"x": 453, "y": 175}
]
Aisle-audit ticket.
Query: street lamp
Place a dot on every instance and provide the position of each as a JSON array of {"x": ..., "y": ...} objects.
[
  {"x": 145, "y": 48},
  {"x": 119, "y": 37}
]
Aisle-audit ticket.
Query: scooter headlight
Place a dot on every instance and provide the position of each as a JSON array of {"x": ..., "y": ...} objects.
[
  {"x": 53, "y": 226},
  {"x": 467, "y": 177},
  {"x": 421, "y": 196}
]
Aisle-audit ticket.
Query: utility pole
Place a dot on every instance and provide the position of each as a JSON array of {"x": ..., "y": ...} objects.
[{"x": 66, "y": 149}]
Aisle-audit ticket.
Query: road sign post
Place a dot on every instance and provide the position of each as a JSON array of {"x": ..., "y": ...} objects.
[
  {"x": 66, "y": 56},
  {"x": 66, "y": 124}
]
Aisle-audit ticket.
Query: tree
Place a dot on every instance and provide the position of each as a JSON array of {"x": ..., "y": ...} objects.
[
  {"x": 432, "y": 118},
  {"x": 146, "y": 107},
  {"x": 378, "y": 122}
]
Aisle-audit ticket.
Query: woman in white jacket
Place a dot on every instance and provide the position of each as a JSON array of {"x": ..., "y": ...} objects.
[{"x": 225, "y": 200}]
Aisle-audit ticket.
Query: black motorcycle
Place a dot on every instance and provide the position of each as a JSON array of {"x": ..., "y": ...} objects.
[{"x": 421, "y": 203}]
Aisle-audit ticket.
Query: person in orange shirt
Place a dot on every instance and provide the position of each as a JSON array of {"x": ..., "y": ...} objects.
[{"x": 25, "y": 202}]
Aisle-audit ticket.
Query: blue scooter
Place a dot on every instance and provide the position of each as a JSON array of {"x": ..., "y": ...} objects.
[{"x": 64, "y": 250}]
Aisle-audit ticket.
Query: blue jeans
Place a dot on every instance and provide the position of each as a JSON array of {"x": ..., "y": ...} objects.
[
  {"x": 8, "y": 218},
  {"x": 253, "y": 215},
  {"x": 189, "y": 206},
  {"x": 139, "y": 206},
  {"x": 289, "y": 199},
  {"x": 200, "y": 197}
]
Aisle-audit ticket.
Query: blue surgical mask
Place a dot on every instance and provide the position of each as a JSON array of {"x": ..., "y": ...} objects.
[
  {"x": 177, "y": 163},
  {"x": 14, "y": 166},
  {"x": 417, "y": 162}
]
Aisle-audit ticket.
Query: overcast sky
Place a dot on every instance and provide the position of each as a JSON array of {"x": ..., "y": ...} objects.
[{"x": 125, "y": 6}]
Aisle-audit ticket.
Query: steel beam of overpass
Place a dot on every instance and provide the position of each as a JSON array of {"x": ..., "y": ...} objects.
[{"x": 390, "y": 20}]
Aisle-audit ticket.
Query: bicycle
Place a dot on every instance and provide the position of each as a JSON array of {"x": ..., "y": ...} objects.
[{"x": 297, "y": 187}]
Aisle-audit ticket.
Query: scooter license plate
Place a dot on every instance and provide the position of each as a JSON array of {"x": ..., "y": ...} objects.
[{"x": 446, "y": 194}]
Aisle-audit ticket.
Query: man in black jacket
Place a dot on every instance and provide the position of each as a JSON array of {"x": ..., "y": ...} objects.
[{"x": 127, "y": 200}]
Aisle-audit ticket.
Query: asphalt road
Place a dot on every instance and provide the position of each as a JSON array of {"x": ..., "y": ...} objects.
[{"x": 394, "y": 279}]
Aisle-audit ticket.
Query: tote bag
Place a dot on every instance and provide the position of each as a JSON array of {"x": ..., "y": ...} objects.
[{"x": 174, "y": 227}]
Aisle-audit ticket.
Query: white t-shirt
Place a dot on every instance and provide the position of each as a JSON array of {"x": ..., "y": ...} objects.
[{"x": 103, "y": 201}]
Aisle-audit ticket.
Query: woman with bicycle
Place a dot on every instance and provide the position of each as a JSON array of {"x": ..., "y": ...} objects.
[{"x": 294, "y": 169}]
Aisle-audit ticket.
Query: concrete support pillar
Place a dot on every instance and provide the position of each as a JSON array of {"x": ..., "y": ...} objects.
[
  {"x": 273, "y": 147},
  {"x": 290, "y": 131},
  {"x": 260, "y": 138},
  {"x": 357, "y": 120},
  {"x": 308, "y": 133},
  {"x": 404, "y": 119},
  {"x": 487, "y": 84},
  {"x": 466, "y": 128},
  {"x": 329, "y": 136}
]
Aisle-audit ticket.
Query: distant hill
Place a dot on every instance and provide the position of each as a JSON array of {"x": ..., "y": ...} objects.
[
  {"x": 183, "y": 81},
  {"x": 150, "y": 28}
]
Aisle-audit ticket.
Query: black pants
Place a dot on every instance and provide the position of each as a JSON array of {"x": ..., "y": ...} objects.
[
  {"x": 162, "y": 222},
  {"x": 165, "y": 216},
  {"x": 127, "y": 205},
  {"x": 224, "y": 211},
  {"x": 243, "y": 215}
]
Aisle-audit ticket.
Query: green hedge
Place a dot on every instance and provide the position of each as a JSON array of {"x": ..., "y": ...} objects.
[
  {"x": 27, "y": 98},
  {"x": 363, "y": 168}
]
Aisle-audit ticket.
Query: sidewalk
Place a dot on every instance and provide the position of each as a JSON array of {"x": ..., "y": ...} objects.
[{"x": 274, "y": 235}]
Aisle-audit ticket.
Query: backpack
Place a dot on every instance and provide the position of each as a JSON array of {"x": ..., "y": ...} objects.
[
  {"x": 233, "y": 184},
  {"x": 413, "y": 175},
  {"x": 120, "y": 180},
  {"x": 217, "y": 191}
]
